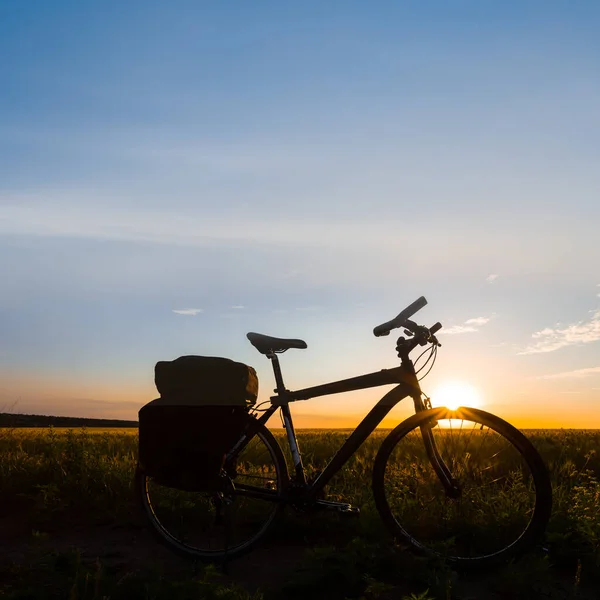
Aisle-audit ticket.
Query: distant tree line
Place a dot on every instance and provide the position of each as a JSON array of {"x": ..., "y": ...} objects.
[{"x": 13, "y": 420}]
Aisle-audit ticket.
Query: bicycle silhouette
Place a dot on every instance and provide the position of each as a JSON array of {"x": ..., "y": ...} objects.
[{"x": 461, "y": 484}]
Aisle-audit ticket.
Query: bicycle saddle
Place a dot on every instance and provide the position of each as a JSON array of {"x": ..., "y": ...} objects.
[{"x": 265, "y": 343}]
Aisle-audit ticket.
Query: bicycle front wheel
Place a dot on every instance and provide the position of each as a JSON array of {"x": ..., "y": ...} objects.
[
  {"x": 224, "y": 523},
  {"x": 502, "y": 499}
]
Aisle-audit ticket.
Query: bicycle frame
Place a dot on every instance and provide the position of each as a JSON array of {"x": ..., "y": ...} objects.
[{"x": 408, "y": 385}]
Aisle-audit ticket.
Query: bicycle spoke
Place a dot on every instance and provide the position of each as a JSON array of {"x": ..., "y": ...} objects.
[{"x": 452, "y": 431}]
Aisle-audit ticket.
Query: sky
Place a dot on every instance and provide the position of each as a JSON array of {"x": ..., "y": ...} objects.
[{"x": 174, "y": 175}]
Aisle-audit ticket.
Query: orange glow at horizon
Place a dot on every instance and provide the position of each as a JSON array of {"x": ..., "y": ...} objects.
[{"x": 121, "y": 399}]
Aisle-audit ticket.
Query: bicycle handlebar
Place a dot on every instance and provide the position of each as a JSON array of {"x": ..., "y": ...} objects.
[
  {"x": 433, "y": 330},
  {"x": 400, "y": 319}
]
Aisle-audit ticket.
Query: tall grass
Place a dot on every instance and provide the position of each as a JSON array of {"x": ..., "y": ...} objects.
[
  {"x": 56, "y": 476},
  {"x": 48, "y": 472}
]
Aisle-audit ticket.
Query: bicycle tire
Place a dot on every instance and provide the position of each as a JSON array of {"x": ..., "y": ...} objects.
[
  {"x": 186, "y": 549},
  {"x": 412, "y": 504}
]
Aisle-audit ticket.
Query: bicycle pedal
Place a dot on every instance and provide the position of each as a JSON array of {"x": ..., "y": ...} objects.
[
  {"x": 349, "y": 511},
  {"x": 339, "y": 507}
]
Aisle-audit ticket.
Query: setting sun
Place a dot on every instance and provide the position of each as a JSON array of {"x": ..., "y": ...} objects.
[{"x": 453, "y": 394}]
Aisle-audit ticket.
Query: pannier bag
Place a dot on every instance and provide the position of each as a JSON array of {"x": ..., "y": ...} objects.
[{"x": 185, "y": 434}]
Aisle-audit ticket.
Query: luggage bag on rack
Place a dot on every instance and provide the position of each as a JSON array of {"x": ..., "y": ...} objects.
[{"x": 203, "y": 405}]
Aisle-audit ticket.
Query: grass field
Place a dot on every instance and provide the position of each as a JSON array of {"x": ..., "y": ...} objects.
[{"x": 71, "y": 530}]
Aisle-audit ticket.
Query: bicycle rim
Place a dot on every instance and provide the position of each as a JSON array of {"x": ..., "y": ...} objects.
[
  {"x": 213, "y": 525},
  {"x": 505, "y": 493}
]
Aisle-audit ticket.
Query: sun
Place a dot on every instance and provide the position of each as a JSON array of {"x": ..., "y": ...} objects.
[{"x": 453, "y": 394}]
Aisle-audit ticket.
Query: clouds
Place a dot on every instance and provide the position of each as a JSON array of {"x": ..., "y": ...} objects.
[
  {"x": 192, "y": 312},
  {"x": 362, "y": 246},
  {"x": 469, "y": 326},
  {"x": 549, "y": 339},
  {"x": 477, "y": 321},
  {"x": 491, "y": 278},
  {"x": 576, "y": 374},
  {"x": 64, "y": 215}
]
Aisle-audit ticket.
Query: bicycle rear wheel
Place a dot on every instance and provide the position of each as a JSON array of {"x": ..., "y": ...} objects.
[
  {"x": 504, "y": 494},
  {"x": 224, "y": 523}
]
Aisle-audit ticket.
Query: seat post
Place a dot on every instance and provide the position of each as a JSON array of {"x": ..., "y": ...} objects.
[
  {"x": 287, "y": 420},
  {"x": 280, "y": 389}
]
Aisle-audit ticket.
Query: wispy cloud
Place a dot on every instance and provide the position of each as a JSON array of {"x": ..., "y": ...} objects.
[
  {"x": 492, "y": 277},
  {"x": 469, "y": 326},
  {"x": 188, "y": 311},
  {"x": 577, "y": 373},
  {"x": 477, "y": 321},
  {"x": 549, "y": 340},
  {"x": 238, "y": 307},
  {"x": 50, "y": 215},
  {"x": 458, "y": 329}
]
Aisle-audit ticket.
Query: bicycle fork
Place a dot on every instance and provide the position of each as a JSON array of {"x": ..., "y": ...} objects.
[{"x": 450, "y": 484}]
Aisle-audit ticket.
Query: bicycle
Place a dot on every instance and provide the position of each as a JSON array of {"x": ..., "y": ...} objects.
[{"x": 472, "y": 495}]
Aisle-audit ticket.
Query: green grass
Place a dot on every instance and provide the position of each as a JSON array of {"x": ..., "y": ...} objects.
[{"x": 60, "y": 477}]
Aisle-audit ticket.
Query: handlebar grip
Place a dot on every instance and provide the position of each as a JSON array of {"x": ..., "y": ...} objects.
[
  {"x": 435, "y": 328},
  {"x": 384, "y": 328},
  {"x": 409, "y": 311}
]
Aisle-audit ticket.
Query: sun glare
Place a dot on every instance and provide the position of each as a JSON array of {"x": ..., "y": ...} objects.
[{"x": 453, "y": 394}]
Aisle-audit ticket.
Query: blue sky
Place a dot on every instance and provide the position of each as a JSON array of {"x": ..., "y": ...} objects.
[{"x": 306, "y": 170}]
